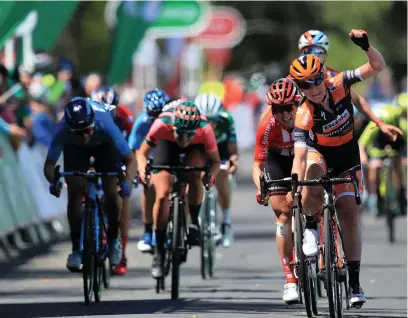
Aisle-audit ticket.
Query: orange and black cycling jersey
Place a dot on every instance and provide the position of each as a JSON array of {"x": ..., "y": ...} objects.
[{"x": 315, "y": 126}]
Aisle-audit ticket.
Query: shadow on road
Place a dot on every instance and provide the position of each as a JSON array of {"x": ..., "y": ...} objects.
[{"x": 137, "y": 307}]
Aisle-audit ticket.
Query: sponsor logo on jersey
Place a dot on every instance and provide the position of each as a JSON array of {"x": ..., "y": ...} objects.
[{"x": 334, "y": 125}]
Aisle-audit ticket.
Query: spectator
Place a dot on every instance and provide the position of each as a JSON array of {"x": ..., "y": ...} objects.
[
  {"x": 93, "y": 81},
  {"x": 43, "y": 118}
]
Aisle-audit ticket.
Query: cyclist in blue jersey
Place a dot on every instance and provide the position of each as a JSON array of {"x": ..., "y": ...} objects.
[
  {"x": 84, "y": 132},
  {"x": 154, "y": 101}
]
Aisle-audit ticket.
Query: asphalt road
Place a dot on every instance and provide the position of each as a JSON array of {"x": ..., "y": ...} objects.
[{"x": 248, "y": 282}]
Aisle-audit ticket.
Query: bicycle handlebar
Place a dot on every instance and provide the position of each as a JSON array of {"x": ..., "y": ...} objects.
[
  {"x": 90, "y": 176},
  {"x": 178, "y": 169},
  {"x": 324, "y": 181}
]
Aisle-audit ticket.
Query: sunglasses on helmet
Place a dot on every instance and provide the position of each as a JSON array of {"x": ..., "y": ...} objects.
[
  {"x": 316, "y": 81},
  {"x": 280, "y": 109}
]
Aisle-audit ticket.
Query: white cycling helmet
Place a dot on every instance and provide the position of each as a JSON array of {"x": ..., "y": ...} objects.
[
  {"x": 209, "y": 105},
  {"x": 314, "y": 38}
]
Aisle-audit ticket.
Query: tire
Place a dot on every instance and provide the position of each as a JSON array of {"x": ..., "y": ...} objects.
[
  {"x": 98, "y": 279},
  {"x": 328, "y": 261},
  {"x": 303, "y": 268},
  {"x": 204, "y": 237},
  {"x": 106, "y": 274},
  {"x": 339, "y": 299},
  {"x": 212, "y": 243},
  {"x": 87, "y": 258},
  {"x": 313, "y": 295},
  {"x": 176, "y": 252}
]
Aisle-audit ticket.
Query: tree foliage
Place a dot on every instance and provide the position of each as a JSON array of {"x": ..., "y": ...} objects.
[{"x": 87, "y": 39}]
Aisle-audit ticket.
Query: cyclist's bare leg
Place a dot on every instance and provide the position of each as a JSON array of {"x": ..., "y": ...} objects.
[
  {"x": 349, "y": 217},
  {"x": 112, "y": 205},
  {"x": 223, "y": 188},
  {"x": 312, "y": 201},
  {"x": 147, "y": 198},
  {"x": 284, "y": 234},
  {"x": 76, "y": 190},
  {"x": 162, "y": 182},
  {"x": 312, "y": 197},
  {"x": 195, "y": 188}
]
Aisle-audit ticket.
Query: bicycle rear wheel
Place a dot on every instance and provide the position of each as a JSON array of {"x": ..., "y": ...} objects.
[
  {"x": 176, "y": 251},
  {"x": 87, "y": 256},
  {"x": 303, "y": 268}
]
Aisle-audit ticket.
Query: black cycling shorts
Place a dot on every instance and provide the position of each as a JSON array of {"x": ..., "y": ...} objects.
[
  {"x": 76, "y": 158},
  {"x": 224, "y": 151},
  {"x": 341, "y": 158},
  {"x": 279, "y": 167},
  {"x": 168, "y": 153}
]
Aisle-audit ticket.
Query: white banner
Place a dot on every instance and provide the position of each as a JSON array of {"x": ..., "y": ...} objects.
[{"x": 31, "y": 161}]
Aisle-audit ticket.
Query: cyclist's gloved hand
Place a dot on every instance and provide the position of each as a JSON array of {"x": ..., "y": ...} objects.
[
  {"x": 260, "y": 201},
  {"x": 55, "y": 189},
  {"x": 210, "y": 181},
  {"x": 125, "y": 190},
  {"x": 289, "y": 199},
  {"x": 360, "y": 38}
]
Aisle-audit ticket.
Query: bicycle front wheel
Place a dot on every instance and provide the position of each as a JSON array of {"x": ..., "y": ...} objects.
[
  {"x": 176, "y": 251},
  {"x": 331, "y": 288},
  {"x": 303, "y": 268},
  {"x": 204, "y": 229},
  {"x": 87, "y": 255}
]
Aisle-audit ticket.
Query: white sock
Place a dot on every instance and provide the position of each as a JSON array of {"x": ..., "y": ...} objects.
[{"x": 226, "y": 213}]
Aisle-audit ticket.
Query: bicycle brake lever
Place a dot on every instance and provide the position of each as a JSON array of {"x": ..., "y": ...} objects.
[
  {"x": 355, "y": 183},
  {"x": 57, "y": 174}
]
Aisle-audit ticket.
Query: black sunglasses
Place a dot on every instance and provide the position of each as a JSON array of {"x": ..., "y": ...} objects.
[
  {"x": 82, "y": 132},
  {"x": 316, "y": 81},
  {"x": 283, "y": 108},
  {"x": 187, "y": 133}
]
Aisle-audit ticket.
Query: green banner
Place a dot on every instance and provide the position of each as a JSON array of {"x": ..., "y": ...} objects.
[
  {"x": 12, "y": 13},
  {"x": 52, "y": 18},
  {"x": 134, "y": 18}
]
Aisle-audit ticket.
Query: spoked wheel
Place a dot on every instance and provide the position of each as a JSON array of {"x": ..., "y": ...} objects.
[
  {"x": 106, "y": 274},
  {"x": 204, "y": 237},
  {"x": 88, "y": 258},
  {"x": 212, "y": 243},
  {"x": 303, "y": 267},
  {"x": 176, "y": 251},
  {"x": 313, "y": 293},
  {"x": 331, "y": 275},
  {"x": 98, "y": 278},
  {"x": 390, "y": 220},
  {"x": 339, "y": 298}
]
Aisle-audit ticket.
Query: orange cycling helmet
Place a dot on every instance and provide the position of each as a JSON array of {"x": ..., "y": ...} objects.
[
  {"x": 305, "y": 67},
  {"x": 283, "y": 91}
]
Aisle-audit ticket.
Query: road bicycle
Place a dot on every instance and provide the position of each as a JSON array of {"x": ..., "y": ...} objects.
[
  {"x": 93, "y": 244},
  {"x": 177, "y": 245}
]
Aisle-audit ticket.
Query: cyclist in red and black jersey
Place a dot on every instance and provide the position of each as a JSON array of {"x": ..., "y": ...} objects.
[
  {"x": 324, "y": 139},
  {"x": 274, "y": 153}
]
